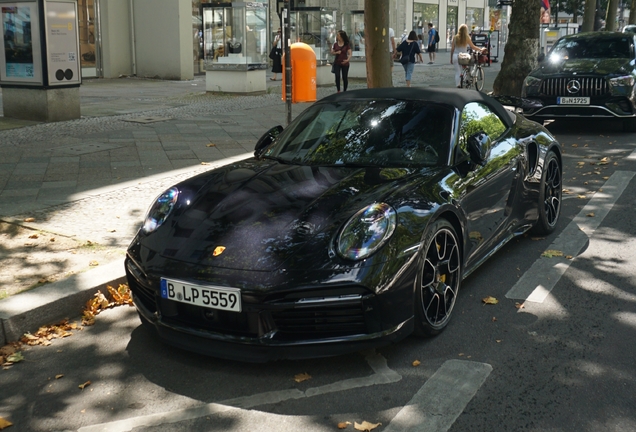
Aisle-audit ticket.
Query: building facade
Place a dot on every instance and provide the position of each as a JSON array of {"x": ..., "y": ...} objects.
[{"x": 165, "y": 39}]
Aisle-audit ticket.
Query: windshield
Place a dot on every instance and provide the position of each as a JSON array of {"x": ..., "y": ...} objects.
[
  {"x": 593, "y": 48},
  {"x": 382, "y": 133}
]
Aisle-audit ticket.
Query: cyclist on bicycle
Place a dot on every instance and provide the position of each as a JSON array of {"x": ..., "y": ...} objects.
[{"x": 461, "y": 43}]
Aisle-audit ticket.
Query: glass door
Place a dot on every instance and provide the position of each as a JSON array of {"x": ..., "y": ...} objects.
[{"x": 88, "y": 38}]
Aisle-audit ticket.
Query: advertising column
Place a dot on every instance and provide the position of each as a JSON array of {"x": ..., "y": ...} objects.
[{"x": 39, "y": 64}]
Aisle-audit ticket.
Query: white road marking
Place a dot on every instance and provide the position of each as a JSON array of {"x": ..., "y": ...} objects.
[
  {"x": 535, "y": 285},
  {"x": 439, "y": 402},
  {"x": 383, "y": 375}
]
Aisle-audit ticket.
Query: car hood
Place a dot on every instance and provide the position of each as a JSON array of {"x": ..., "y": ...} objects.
[
  {"x": 583, "y": 67},
  {"x": 264, "y": 213}
]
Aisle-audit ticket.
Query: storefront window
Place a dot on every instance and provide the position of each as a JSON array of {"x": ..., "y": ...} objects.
[
  {"x": 316, "y": 27},
  {"x": 355, "y": 31},
  {"x": 451, "y": 23},
  {"x": 197, "y": 37},
  {"x": 235, "y": 37},
  {"x": 88, "y": 51},
  {"x": 422, "y": 15},
  {"x": 475, "y": 19}
]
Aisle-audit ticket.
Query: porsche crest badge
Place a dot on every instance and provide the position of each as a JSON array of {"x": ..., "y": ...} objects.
[{"x": 218, "y": 250}]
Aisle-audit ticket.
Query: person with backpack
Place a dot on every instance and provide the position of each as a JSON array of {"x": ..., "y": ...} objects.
[
  {"x": 433, "y": 40},
  {"x": 410, "y": 49}
]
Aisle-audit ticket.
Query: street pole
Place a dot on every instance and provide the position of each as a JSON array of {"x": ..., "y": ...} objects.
[{"x": 287, "y": 50}]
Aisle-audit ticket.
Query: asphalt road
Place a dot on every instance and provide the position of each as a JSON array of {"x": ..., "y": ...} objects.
[{"x": 563, "y": 362}]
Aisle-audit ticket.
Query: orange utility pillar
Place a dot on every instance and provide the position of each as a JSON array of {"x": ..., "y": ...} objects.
[{"x": 303, "y": 69}]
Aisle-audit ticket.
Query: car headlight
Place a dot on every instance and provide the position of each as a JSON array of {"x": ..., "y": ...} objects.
[
  {"x": 530, "y": 85},
  {"x": 367, "y": 231},
  {"x": 160, "y": 209},
  {"x": 622, "y": 81}
]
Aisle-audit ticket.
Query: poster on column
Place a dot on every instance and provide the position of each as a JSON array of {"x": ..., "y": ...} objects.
[
  {"x": 20, "y": 53},
  {"x": 62, "y": 43}
]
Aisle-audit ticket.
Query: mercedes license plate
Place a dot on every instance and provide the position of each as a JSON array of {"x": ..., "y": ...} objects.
[
  {"x": 213, "y": 297},
  {"x": 572, "y": 100}
]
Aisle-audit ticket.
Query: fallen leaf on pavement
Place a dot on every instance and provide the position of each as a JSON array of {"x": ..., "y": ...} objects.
[
  {"x": 365, "y": 426},
  {"x": 58, "y": 376},
  {"x": 590, "y": 215},
  {"x": 494, "y": 319},
  {"x": 580, "y": 163},
  {"x": 537, "y": 238},
  {"x": 86, "y": 384},
  {"x": 343, "y": 425},
  {"x": 33, "y": 236},
  {"x": 519, "y": 305},
  {"x": 29, "y": 220},
  {"x": 211, "y": 145},
  {"x": 52, "y": 239},
  {"x": 550, "y": 253},
  {"x": 4, "y": 423},
  {"x": 205, "y": 163},
  {"x": 582, "y": 197},
  {"x": 16, "y": 357},
  {"x": 302, "y": 377},
  {"x": 93, "y": 263},
  {"x": 416, "y": 363},
  {"x": 490, "y": 300}
]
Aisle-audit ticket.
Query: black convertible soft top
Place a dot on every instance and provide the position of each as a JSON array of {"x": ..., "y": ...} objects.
[{"x": 449, "y": 96}]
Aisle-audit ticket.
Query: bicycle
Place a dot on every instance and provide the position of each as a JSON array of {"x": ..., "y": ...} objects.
[{"x": 473, "y": 74}]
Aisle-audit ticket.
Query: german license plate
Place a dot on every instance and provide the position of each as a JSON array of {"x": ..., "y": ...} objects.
[
  {"x": 212, "y": 297},
  {"x": 571, "y": 100}
]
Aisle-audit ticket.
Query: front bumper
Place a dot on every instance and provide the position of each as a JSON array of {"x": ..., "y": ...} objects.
[
  {"x": 600, "y": 107},
  {"x": 309, "y": 322}
]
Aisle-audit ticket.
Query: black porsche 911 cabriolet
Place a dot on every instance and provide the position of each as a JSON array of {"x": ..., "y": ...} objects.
[{"x": 351, "y": 228}]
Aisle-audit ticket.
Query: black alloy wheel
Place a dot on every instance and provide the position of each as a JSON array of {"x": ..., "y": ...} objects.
[
  {"x": 439, "y": 277},
  {"x": 550, "y": 195}
]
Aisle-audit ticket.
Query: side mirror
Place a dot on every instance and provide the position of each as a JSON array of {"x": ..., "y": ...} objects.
[
  {"x": 264, "y": 142},
  {"x": 541, "y": 57},
  {"x": 479, "y": 147}
]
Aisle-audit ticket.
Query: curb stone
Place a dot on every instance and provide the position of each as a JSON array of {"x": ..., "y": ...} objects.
[{"x": 53, "y": 302}]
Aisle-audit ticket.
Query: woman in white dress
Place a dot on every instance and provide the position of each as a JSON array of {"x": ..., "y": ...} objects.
[{"x": 461, "y": 43}]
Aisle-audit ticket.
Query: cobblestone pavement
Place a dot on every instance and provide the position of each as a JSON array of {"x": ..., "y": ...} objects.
[{"x": 94, "y": 178}]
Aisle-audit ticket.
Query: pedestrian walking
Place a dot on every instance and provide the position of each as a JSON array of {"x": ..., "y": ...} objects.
[
  {"x": 391, "y": 47},
  {"x": 461, "y": 43},
  {"x": 342, "y": 50},
  {"x": 276, "y": 54},
  {"x": 410, "y": 49},
  {"x": 433, "y": 40}
]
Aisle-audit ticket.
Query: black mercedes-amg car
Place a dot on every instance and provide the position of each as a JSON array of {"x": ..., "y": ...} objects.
[
  {"x": 586, "y": 75},
  {"x": 351, "y": 228}
]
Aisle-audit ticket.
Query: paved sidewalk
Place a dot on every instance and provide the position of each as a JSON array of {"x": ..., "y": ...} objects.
[{"x": 94, "y": 178}]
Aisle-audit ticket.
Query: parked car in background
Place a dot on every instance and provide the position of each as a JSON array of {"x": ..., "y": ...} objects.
[
  {"x": 630, "y": 28},
  {"x": 351, "y": 228},
  {"x": 586, "y": 75}
]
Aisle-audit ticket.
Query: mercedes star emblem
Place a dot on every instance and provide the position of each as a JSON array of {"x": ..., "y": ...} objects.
[{"x": 573, "y": 86}]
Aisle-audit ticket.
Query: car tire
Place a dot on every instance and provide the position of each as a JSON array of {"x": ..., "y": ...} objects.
[
  {"x": 629, "y": 125},
  {"x": 550, "y": 195},
  {"x": 438, "y": 279}
]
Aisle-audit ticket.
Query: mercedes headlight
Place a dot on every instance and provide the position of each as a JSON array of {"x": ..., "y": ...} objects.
[
  {"x": 366, "y": 231},
  {"x": 160, "y": 209}
]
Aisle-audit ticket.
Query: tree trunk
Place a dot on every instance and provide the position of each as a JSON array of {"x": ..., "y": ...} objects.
[
  {"x": 522, "y": 48},
  {"x": 588, "y": 16},
  {"x": 610, "y": 17},
  {"x": 632, "y": 13},
  {"x": 376, "y": 41}
]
